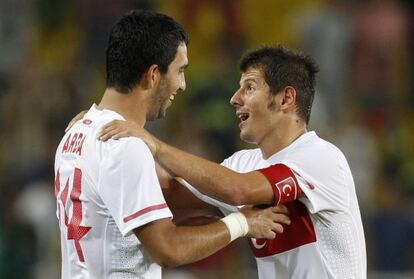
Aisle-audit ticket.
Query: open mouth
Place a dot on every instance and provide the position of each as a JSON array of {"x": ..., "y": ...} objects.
[
  {"x": 171, "y": 97},
  {"x": 243, "y": 116}
]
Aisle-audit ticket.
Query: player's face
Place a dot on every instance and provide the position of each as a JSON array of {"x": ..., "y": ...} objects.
[
  {"x": 254, "y": 107},
  {"x": 170, "y": 83}
]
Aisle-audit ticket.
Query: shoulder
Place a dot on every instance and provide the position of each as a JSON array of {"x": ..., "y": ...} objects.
[
  {"x": 318, "y": 156},
  {"x": 329, "y": 150},
  {"x": 129, "y": 146},
  {"x": 128, "y": 158},
  {"x": 316, "y": 146},
  {"x": 96, "y": 119}
]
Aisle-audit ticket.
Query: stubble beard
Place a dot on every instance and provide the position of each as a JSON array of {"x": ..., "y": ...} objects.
[
  {"x": 159, "y": 103},
  {"x": 158, "y": 111}
]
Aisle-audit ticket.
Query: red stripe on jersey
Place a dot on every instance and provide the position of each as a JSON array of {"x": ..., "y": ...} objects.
[
  {"x": 57, "y": 184},
  {"x": 284, "y": 184},
  {"x": 145, "y": 210},
  {"x": 298, "y": 233}
]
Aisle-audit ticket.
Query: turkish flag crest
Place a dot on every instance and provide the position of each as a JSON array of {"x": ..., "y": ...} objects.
[{"x": 288, "y": 189}]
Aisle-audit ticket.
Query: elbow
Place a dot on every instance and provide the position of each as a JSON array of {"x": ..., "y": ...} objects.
[
  {"x": 167, "y": 263},
  {"x": 168, "y": 258}
]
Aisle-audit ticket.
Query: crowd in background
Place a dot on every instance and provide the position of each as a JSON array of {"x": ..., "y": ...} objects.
[{"x": 52, "y": 65}]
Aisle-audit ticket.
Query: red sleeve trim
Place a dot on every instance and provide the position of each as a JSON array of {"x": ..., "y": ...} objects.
[
  {"x": 145, "y": 210},
  {"x": 284, "y": 183}
]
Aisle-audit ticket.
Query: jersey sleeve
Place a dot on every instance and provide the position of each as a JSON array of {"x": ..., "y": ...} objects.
[
  {"x": 224, "y": 207},
  {"x": 129, "y": 186},
  {"x": 314, "y": 177},
  {"x": 321, "y": 177}
]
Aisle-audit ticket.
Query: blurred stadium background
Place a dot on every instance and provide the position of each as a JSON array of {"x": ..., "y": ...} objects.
[{"x": 52, "y": 55}]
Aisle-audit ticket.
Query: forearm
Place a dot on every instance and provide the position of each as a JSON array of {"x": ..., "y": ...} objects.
[
  {"x": 191, "y": 244},
  {"x": 209, "y": 178},
  {"x": 171, "y": 245},
  {"x": 213, "y": 179}
]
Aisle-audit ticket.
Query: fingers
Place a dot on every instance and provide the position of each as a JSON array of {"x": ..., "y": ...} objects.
[
  {"x": 266, "y": 223},
  {"x": 109, "y": 130},
  {"x": 120, "y": 134},
  {"x": 108, "y": 127},
  {"x": 276, "y": 218},
  {"x": 269, "y": 230},
  {"x": 117, "y": 129},
  {"x": 280, "y": 209},
  {"x": 111, "y": 125},
  {"x": 108, "y": 133},
  {"x": 281, "y": 218},
  {"x": 277, "y": 228},
  {"x": 269, "y": 235}
]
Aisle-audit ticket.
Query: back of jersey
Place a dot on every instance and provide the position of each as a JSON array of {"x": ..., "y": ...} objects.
[{"x": 92, "y": 243}]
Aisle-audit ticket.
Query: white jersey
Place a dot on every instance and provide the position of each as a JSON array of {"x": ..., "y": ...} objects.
[
  {"x": 325, "y": 238},
  {"x": 104, "y": 190}
]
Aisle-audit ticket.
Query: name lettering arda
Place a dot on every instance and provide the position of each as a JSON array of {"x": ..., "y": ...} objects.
[{"x": 74, "y": 143}]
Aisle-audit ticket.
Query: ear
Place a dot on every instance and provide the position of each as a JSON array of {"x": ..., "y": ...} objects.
[
  {"x": 288, "y": 99},
  {"x": 151, "y": 77}
]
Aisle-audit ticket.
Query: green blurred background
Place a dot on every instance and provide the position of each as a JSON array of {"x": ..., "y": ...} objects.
[{"x": 52, "y": 55}]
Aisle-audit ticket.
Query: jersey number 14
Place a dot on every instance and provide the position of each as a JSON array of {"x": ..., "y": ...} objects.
[{"x": 75, "y": 231}]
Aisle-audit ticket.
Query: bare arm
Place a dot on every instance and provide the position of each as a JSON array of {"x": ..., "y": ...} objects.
[
  {"x": 215, "y": 180},
  {"x": 185, "y": 206},
  {"x": 176, "y": 194},
  {"x": 210, "y": 178},
  {"x": 171, "y": 245}
]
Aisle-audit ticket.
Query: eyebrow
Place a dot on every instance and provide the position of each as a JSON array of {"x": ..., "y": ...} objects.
[{"x": 248, "y": 80}]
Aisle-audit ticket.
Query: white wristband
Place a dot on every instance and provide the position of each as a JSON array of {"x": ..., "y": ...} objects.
[{"x": 236, "y": 224}]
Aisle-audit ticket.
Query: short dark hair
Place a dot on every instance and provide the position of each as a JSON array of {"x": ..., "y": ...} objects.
[
  {"x": 282, "y": 67},
  {"x": 138, "y": 40}
]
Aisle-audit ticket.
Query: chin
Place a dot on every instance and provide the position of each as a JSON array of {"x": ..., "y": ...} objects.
[
  {"x": 247, "y": 138},
  {"x": 157, "y": 115}
]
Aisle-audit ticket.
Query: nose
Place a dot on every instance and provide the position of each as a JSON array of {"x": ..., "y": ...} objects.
[
  {"x": 182, "y": 83},
  {"x": 235, "y": 100}
]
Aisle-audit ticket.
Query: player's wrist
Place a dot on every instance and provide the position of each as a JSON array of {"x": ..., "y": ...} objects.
[{"x": 237, "y": 225}]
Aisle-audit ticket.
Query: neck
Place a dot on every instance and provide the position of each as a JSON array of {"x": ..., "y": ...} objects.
[
  {"x": 281, "y": 138},
  {"x": 131, "y": 106}
]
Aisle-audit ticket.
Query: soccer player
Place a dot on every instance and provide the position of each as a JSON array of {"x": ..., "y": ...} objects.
[
  {"x": 291, "y": 165},
  {"x": 113, "y": 218}
]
